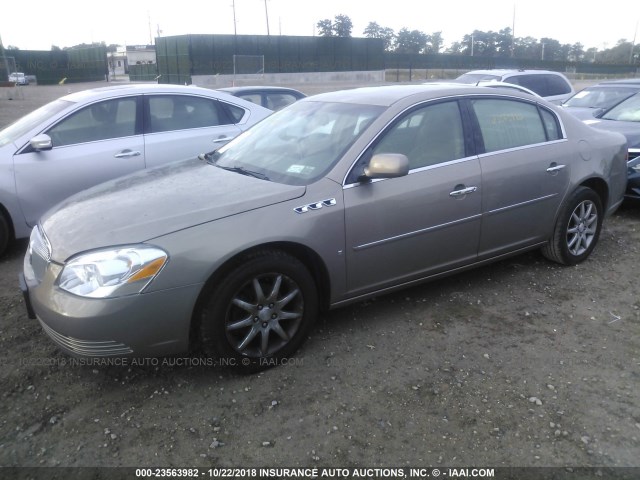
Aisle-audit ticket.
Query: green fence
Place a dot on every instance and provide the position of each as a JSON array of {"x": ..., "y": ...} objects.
[
  {"x": 143, "y": 73},
  {"x": 179, "y": 57},
  {"x": 463, "y": 62},
  {"x": 50, "y": 67}
]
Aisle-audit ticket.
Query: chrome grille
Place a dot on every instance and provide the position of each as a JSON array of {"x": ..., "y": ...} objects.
[
  {"x": 633, "y": 153},
  {"x": 87, "y": 348}
]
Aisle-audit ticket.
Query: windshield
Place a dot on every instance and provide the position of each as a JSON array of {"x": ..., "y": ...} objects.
[
  {"x": 32, "y": 120},
  {"x": 599, "y": 97},
  {"x": 299, "y": 144},
  {"x": 627, "y": 111}
]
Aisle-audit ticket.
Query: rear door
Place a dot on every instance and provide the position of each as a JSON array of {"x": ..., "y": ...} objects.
[
  {"x": 178, "y": 127},
  {"x": 525, "y": 172}
]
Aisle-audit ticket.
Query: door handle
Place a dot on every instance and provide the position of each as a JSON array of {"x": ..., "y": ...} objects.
[
  {"x": 127, "y": 154},
  {"x": 222, "y": 139},
  {"x": 555, "y": 168},
  {"x": 462, "y": 191}
]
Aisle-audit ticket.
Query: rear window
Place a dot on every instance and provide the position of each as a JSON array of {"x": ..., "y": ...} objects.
[{"x": 545, "y": 85}]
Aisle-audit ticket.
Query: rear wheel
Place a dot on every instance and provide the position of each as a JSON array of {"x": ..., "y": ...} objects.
[
  {"x": 577, "y": 228},
  {"x": 260, "y": 313}
]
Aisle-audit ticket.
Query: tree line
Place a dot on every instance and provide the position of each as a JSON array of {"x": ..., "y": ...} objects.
[{"x": 483, "y": 44}]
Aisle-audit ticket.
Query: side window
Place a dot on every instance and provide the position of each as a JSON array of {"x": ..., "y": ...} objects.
[
  {"x": 252, "y": 97},
  {"x": 508, "y": 123},
  {"x": 427, "y": 136},
  {"x": 551, "y": 125},
  {"x": 99, "y": 121},
  {"x": 180, "y": 112},
  {"x": 537, "y": 83},
  {"x": 233, "y": 112},
  {"x": 557, "y": 85},
  {"x": 277, "y": 101}
]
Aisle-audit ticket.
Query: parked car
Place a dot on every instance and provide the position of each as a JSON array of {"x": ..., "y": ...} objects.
[
  {"x": 95, "y": 135},
  {"x": 273, "y": 98},
  {"x": 625, "y": 118},
  {"x": 335, "y": 199},
  {"x": 492, "y": 84},
  {"x": 552, "y": 86},
  {"x": 591, "y": 101},
  {"x": 18, "y": 78}
]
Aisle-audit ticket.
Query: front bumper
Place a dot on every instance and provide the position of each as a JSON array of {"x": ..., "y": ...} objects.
[{"x": 142, "y": 325}]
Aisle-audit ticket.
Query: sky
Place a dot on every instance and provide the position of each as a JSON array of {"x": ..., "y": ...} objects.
[{"x": 39, "y": 24}]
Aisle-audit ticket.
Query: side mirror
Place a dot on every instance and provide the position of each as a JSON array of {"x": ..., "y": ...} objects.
[
  {"x": 387, "y": 165},
  {"x": 41, "y": 142}
]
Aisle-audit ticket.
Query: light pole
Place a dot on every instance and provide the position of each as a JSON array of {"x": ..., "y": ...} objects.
[
  {"x": 266, "y": 12},
  {"x": 633, "y": 43}
]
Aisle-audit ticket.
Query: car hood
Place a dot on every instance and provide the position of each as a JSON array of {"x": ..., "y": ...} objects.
[
  {"x": 583, "y": 113},
  {"x": 631, "y": 130},
  {"x": 151, "y": 203}
]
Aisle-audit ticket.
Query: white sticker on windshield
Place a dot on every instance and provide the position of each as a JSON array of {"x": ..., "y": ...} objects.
[{"x": 301, "y": 169}]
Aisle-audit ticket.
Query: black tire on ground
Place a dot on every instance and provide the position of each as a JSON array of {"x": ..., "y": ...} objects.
[
  {"x": 577, "y": 228},
  {"x": 5, "y": 234},
  {"x": 260, "y": 313}
]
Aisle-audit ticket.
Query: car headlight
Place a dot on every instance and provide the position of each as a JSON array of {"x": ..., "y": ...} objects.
[{"x": 112, "y": 273}]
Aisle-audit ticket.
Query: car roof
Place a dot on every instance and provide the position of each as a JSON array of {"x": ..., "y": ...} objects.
[
  {"x": 388, "y": 95},
  {"x": 139, "y": 88},
  {"x": 507, "y": 71},
  {"x": 262, "y": 88},
  {"x": 632, "y": 82}
]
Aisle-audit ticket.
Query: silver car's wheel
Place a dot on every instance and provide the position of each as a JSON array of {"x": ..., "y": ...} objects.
[
  {"x": 261, "y": 312},
  {"x": 577, "y": 228},
  {"x": 582, "y": 228}
]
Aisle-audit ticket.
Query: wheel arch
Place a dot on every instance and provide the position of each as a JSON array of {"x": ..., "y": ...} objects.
[
  {"x": 7, "y": 217},
  {"x": 307, "y": 256},
  {"x": 601, "y": 188}
]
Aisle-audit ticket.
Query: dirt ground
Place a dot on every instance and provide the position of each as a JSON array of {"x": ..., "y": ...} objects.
[{"x": 521, "y": 363}]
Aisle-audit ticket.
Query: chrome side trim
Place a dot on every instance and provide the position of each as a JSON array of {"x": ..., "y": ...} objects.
[
  {"x": 419, "y": 170},
  {"x": 523, "y": 147},
  {"x": 521, "y": 204},
  {"x": 414, "y": 233},
  {"x": 329, "y": 202}
]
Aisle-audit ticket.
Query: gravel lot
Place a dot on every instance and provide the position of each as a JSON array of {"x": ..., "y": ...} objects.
[{"x": 522, "y": 363}]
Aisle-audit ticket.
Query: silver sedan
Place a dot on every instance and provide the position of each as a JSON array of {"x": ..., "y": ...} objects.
[
  {"x": 337, "y": 198},
  {"x": 95, "y": 135}
]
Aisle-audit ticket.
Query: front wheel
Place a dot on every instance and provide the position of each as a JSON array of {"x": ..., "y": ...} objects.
[
  {"x": 260, "y": 313},
  {"x": 577, "y": 228},
  {"x": 5, "y": 234}
]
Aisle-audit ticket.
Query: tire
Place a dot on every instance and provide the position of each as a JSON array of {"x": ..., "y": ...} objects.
[
  {"x": 260, "y": 313},
  {"x": 5, "y": 234},
  {"x": 577, "y": 228}
]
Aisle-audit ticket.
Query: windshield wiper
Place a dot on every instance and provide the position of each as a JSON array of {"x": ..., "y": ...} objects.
[{"x": 244, "y": 171}]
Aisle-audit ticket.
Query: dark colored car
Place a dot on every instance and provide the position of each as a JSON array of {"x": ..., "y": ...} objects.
[
  {"x": 625, "y": 118},
  {"x": 592, "y": 101},
  {"x": 273, "y": 98}
]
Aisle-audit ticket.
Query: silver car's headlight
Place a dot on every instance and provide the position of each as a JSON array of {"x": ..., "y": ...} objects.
[{"x": 112, "y": 273}]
